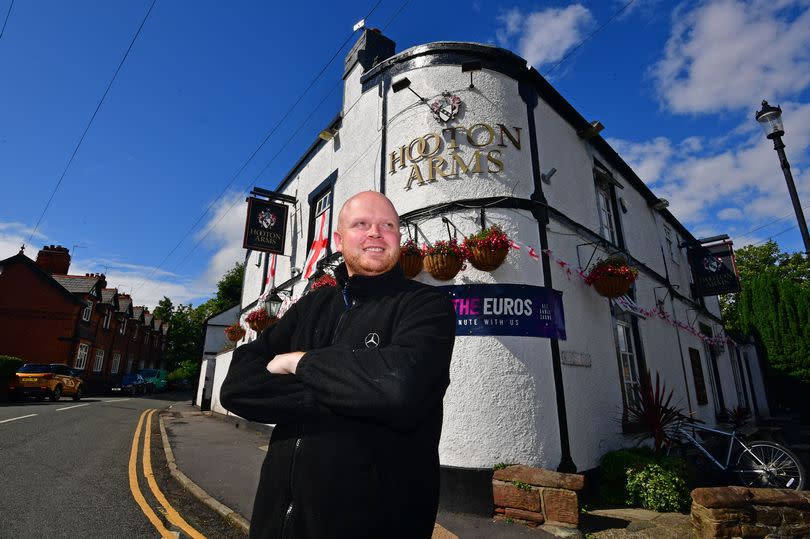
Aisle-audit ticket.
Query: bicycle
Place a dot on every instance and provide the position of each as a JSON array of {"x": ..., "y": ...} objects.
[{"x": 759, "y": 464}]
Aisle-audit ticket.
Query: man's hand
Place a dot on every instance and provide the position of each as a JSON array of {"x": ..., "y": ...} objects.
[{"x": 285, "y": 363}]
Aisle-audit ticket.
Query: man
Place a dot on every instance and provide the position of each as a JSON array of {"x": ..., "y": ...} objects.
[{"x": 353, "y": 376}]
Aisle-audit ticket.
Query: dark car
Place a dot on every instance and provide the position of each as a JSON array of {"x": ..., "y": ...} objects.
[
  {"x": 129, "y": 384},
  {"x": 155, "y": 379}
]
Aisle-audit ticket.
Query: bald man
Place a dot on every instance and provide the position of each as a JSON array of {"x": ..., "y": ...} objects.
[{"x": 353, "y": 377}]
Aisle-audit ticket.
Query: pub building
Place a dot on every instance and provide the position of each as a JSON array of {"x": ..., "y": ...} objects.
[{"x": 460, "y": 135}]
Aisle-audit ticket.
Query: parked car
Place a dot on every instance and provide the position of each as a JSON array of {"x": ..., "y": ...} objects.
[
  {"x": 129, "y": 384},
  {"x": 155, "y": 379},
  {"x": 45, "y": 380}
]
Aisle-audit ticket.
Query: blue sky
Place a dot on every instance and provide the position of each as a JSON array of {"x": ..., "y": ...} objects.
[{"x": 676, "y": 85}]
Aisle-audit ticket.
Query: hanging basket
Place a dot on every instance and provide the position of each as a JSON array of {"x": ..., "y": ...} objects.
[
  {"x": 443, "y": 267},
  {"x": 234, "y": 333},
  {"x": 612, "y": 286},
  {"x": 411, "y": 265},
  {"x": 486, "y": 259},
  {"x": 260, "y": 325}
]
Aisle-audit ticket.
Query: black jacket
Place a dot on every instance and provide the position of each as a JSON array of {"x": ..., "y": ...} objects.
[{"x": 354, "y": 453}]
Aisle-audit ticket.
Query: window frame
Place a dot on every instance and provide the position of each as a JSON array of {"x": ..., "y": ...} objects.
[
  {"x": 87, "y": 313},
  {"x": 107, "y": 319},
  {"x": 98, "y": 361},
  {"x": 324, "y": 189},
  {"x": 116, "y": 363},
  {"x": 82, "y": 352}
]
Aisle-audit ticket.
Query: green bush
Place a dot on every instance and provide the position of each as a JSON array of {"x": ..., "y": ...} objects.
[
  {"x": 188, "y": 370},
  {"x": 658, "y": 488},
  {"x": 9, "y": 365},
  {"x": 617, "y": 466}
]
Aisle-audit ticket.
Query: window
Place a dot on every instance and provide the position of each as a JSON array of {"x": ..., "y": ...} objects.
[
  {"x": 81, "y": 356},
  {"x": 669, "y": 238},
  {"x": 627, "y": 359},
  {"x": 714, "y": 373},
  {"x": 116, "y": 362},
  {"x": 320, "y": 218},
  {"x": 107, "y": 318},
  {"x": 122, "y": 329},
  {"x": 135, "y": 333},
  {"x": 742, "y": 398},
  {"x": 607, "y": 228},
  {"x": 697, "y": 374},
  {"x": 130, "y": 361},
  {"x": 146, "y": 337},
  {"x": 99, "y": 361},
  {"x": 323, "y": 203},
  {"x": 88, "y": 310}
]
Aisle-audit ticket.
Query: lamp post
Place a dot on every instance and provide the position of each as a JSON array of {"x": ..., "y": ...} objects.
[{"x": 770, "y": 118}]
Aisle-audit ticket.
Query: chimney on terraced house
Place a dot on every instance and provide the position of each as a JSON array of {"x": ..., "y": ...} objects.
[{"x": 54, "y": 259}]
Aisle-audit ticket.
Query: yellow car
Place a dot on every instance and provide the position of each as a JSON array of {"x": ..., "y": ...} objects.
[{"x": 48, "y": 380}]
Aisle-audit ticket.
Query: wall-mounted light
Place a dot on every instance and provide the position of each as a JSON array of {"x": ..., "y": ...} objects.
[
  {"x": 591, "y": 131},
  {"x": 660, "y": 204},
  {"x": 403, "y": 83},
  {"x": 328, "y": 134},
  {"x": 469, "y": 67},
  {"x": 547, "y": 176}
]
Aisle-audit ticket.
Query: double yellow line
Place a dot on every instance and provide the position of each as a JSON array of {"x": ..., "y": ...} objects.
[{"x": 171, "y": 514}]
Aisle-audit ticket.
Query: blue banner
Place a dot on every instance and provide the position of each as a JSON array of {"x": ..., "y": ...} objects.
[{"x": 507, "y": 309}]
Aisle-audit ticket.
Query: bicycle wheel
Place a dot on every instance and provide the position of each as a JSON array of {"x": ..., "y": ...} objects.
[{"x": 769, "y": 465}]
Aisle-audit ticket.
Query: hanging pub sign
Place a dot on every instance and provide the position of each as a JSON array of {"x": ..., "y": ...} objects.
[
  {"x": 507, "y": 309},
  {"x": 714, "y": 269},
  {"x": 266, "y": 226}
]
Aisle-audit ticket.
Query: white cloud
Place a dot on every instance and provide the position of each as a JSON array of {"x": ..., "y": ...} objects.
[
  {"x": 729, "y": 54},
  {"x": 737, "y": 185},
  {"x": 730, "y": 214},
  {"x": 13, "y": 235},
  {"x": 544, "y": 36},
  {"x": 223, "y": 233}
]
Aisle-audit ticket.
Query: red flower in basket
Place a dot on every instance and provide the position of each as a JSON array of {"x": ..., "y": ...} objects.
[
  {"x": 612, "y": 277},
  {"x": 260, "y": 319},
  {"x": 324, "y": 280},
  {"x": 488, "y": 248},
  {"x": 235, "y": 332},
  {"x": 410, "y": 258},
  {"x": 444, "y": 259}
]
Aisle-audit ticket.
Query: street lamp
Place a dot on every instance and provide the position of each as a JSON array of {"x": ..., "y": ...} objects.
[{"x": 770, "y": 118}]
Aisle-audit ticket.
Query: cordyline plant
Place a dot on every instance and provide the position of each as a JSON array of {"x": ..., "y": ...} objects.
[
  {"x": 257, "y": 315},
  {"x": 492, "y": 238},
  {"x": 324, "y": 280},
  {"x": 611, "y": 266},
  {"x": 410, "y": 248},
  {"x": 651, "y": 413},
  {"x": 446, "y": 248}
]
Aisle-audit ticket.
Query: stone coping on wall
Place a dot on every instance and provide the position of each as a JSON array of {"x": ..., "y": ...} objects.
[
  {"x": 750, "y": 512},
  {"x": 537, "y": 496}
]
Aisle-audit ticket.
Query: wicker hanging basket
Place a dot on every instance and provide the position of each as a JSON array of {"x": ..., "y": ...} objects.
[
  {"x": 411, "y": 265},
  {"x": 260, "y": 325},
  {"x": 612, "y": 286},
  {"x": 486, "y": 259},
  {"x": 443, "y": 267},
  {"x": 234, "y": 333}
]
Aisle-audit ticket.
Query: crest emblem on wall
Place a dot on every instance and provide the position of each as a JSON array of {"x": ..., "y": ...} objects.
[
  {"x": 267, "y": 218},
  {"x": 446, "y": 107}
]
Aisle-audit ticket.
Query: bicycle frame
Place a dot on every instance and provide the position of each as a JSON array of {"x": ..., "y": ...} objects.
[{"x": 732, "y": 438}]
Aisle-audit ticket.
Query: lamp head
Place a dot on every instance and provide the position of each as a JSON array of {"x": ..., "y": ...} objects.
[
  {"x": 401, "y": 84},
  {"x": 770, "y": 119}
]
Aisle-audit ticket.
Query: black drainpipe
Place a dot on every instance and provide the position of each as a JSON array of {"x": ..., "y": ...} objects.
[
  {"x": 385, "y": 84},
  {"x": 539, "y": 211}
]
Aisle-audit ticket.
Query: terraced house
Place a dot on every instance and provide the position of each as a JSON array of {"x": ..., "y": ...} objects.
[{"x": 48, "y": 315}]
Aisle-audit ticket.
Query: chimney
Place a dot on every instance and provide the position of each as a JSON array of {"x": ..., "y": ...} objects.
[
  {"x": 371, "y": 49},
  {"x": 54, "y": 259},
  {"x": 101, "y": 276}
]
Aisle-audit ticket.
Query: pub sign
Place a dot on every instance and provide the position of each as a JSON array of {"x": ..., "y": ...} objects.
[
  {"x": 714, "y": 269},
  {"x": 266, "y": 226}
]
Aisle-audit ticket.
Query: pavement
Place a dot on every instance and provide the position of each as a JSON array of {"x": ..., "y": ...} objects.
[{"x": 218, "y": 459}]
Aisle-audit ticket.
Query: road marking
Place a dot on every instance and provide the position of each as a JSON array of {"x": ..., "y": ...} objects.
[
  {"x": 72, "y": 407},
  {"x": 136, "y": 490},
  {"x": 116, "y": 400},
  {"x": 16, "y": 418},
  {"x": 173, "y": 516}
]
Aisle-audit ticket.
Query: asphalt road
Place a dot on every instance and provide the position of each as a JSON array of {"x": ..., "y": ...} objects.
[{"x": 64, "y": 472}]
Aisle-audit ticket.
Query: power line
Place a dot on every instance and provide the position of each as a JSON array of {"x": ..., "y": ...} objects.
[
  {"x": 769, "y": 238},
  {"x": 8, "y": 13},
  {"x": 93, "y": 117},
  {"x": 588, "y": 37},
  {"x": 768, "y": 224},
  {"x": 253, "y": 154}
]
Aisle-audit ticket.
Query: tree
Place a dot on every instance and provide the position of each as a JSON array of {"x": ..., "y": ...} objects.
[
  {"x": 164, "y": 309},
  {"x": 773, "y": 305}
]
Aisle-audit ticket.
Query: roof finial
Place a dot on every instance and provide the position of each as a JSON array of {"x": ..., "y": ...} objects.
[{"x": 22, "y": 249}]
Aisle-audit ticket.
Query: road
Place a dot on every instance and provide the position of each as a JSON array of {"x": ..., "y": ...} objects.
[{"x": 77, "y": 469}]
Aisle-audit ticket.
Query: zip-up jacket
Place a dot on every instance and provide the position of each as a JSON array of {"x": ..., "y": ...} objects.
[{"x": 354, "y": 453}]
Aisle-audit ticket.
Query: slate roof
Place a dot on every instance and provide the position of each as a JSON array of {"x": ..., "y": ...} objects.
[
  {"x": 21, "y": 258},
  {"x": 147, "y": 319},
  {"x": 124, "y": 303},
  {"x": 77, "y": 284},
  {"x": 108, "y": 295},
  {"x": 137, "y": 312}
]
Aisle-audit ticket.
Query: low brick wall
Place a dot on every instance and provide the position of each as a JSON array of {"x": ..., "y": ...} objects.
[
  {"x": 750, "y": 512},
  {"x": 536, "y": 496}
]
